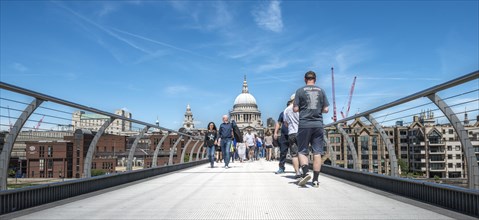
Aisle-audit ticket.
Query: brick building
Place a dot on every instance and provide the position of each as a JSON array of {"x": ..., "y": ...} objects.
[{"x": 65, "y": 158}]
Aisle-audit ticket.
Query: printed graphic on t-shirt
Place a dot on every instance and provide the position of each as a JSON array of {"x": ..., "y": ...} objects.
[
  {"x": 313, "y": 97},
  {"x": 211, "y": 137}
]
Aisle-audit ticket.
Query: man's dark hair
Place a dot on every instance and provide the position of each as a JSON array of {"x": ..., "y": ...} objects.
[{"x": 310, "y": 75}]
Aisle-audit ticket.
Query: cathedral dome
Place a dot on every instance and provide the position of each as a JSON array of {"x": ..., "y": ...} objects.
[
  {"x": 245, "y": 99},
  {"x": 246, "y": 113}
]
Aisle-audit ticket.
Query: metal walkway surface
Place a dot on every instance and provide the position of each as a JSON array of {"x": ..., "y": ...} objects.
[{"x": 248, "y": 190}]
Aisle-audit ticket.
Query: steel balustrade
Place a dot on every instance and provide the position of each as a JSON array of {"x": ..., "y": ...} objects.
[
  {"x": 39, "y": 98},
  {"x": 473, "y": 169}
]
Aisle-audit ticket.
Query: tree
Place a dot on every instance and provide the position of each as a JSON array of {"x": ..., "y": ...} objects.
[
  {"x": 403, "y": 165},
  {"x": 95, "y": 172}
]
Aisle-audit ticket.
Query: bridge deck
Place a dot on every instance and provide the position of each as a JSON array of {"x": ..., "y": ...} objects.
[{"x": 245, "y": 191}]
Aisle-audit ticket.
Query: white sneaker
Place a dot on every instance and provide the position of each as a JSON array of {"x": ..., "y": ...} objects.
[{"x": 304, "y": 180}]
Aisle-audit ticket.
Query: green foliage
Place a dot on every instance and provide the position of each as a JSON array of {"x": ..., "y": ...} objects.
[
  {"x": 18, "y": 186},
  {"x": 11, "y": 173},
  {"x": 404, "y": 166},
  {"x": 95, "y": 172}
]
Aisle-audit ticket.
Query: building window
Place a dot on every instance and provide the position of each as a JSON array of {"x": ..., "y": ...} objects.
[
  {"x": 50, "y": 164},
  {"x": 42, "y": 151},
  {"x": 364, "y": 143},
  {"x": 449, "y": 156},
  {"x": 451, "y": 131},
  {"x": 42, "y": 164},
  {"x": 458, "y": 156},
  {"x": 458, "y": 165},
  {"x": 50, "y": 151},
  {"x": 449, "y": 148},
  {"x": 434, "y": 137},
  {"x": 449, "y": 165},
  {"x": 93, "y": 165},
  {"x": 458, "y": 148}
]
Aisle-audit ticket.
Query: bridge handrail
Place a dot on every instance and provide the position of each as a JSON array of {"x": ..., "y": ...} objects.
[
  {"x": 423, "y": 93},
  {"x": 45, "y": 97}
]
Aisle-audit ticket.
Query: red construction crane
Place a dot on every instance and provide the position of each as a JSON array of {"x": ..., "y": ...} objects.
[
  {"x": 350, "y": 98},
  {"x": 39, "y": 123},
  {"x": 334, "y": 96}
]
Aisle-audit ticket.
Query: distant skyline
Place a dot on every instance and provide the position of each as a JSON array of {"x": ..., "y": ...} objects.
[{"x": 153, "y": 58}]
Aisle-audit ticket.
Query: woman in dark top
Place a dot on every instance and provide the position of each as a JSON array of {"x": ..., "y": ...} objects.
[{"x": 211, "y": 137}]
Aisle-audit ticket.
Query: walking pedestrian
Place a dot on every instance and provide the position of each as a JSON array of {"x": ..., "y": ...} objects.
[
  {"x": 211, "y": 137},
  {"x": 259, "y": 147},
  {"x": 241, "y": 151},
  {"x": 282, "y": 141},
  {"x": 291, "y": 119},
  {"x": 268, "y": 143},
  {"x": 310, "y": 101},
  {"x": 225, "y": 137},
  {"x": 250, "y": 144}
]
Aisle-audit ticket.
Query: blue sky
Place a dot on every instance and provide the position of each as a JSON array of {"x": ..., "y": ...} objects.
[{"x": 155, "y": 57}]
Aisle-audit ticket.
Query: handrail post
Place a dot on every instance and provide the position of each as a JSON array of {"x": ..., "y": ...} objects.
[
  {"x": 467, "y": 148},
  {"x": 10, "y": 140}
]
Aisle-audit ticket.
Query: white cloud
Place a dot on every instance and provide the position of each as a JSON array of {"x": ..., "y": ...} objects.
[
  {"x": 268, "y": 17},
  {"x": 221, "y": 18},
  {"x": 205, "y": 16},
  {"x": 19, "y": 67},
  {"x": 273, "y": 65},
  {"x": 107, "y": 9},
  {"x": 174, "y": 90}
]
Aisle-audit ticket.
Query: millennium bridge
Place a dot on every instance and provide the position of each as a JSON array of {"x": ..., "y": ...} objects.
[{"x": 176, "y": 182}]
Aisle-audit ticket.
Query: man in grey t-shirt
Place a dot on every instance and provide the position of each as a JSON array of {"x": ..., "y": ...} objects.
[{"x": 310, "y": 101}]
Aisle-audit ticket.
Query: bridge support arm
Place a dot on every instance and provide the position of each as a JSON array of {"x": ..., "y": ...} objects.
[
  {"x": 198, "y": 154},
  {"x": 91, "y": 149},
  {"x": 183, "y": 151},
  {"x": 392, "y": 155},
  {"x": 10, "y": 141},
  {"x": 471, "y": 160},
  {"x": 349, "y": 142},
  {"x": 154, "y": 161},
  {"x": 332, "y": 153},
  {"x": 172, "y": 150},
  {"x": 129, "y": 163},
  {"x": 192, "y": 150}
]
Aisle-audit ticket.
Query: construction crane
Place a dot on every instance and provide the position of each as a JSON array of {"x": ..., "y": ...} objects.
[
  {"x": 39, "y": 123},
  {"x": 334, "y": 96},
  {"x": 350, "y": 98}
]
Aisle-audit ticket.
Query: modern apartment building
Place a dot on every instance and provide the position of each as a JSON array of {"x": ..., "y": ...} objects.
[
  {"x": 82, "y": 120},
  {"x": 430, "y": 149}
]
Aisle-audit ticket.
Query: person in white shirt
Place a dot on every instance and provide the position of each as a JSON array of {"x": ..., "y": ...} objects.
[
  {"x": 291, "y": 119},
  {"x": 250, "y": 144}
]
